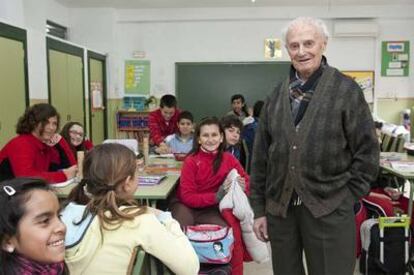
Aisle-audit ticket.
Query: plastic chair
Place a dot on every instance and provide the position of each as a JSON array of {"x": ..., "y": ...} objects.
[{"x": 139, "y": 261}]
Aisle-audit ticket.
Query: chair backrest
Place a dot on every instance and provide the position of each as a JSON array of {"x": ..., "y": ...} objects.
[
  {"x": 138, "y": 264},
  {"x": 400, "y": 144},
  {"x": 386, "y": 143},
  {"x": 130, "y": 143}
]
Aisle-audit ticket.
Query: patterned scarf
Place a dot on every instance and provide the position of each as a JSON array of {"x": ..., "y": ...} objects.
[
  {"x": 301, "y": 92},
  {"x": 24, "y": 266}
]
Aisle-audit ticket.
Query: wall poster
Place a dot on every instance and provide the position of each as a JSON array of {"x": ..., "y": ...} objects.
[
  {"x": 137, "y": 77},
  {"x": 365, "y": 80},
  {"x": 395, "y": 58}
]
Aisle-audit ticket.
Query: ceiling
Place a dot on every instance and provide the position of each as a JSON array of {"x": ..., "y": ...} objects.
[{"x": 145, "y": 4}]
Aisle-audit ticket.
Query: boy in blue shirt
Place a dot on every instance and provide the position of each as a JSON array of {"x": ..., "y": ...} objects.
[{"x": 182, "y": 141}]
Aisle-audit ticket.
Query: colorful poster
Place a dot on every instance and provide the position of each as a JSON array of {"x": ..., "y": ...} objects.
[
  {"x": 365, "y": 80},
  {"x": 137, "y": 77},
  {"x": 395, "y": 58}
]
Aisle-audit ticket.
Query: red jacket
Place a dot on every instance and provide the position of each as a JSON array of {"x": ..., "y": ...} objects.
[
  {"x": 159, "y": 128},
  {"x": 29, "y": 157},
  {"x": 198, "y": 183}
]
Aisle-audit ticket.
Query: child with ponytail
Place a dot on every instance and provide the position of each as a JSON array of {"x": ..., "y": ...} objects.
[{"x": 105, "y": 223}]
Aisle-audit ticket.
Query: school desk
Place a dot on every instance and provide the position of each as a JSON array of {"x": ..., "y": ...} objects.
[
  {"x": 152, "y": 193},
  {"x": 401, "y": 165}
]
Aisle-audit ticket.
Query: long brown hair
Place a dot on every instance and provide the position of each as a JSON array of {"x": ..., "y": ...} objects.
[
  {"x": 196, "y": 145},
  {"x": 106, "y": 167}
]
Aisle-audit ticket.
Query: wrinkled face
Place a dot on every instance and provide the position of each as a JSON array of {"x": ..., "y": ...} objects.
[
  {"x": 232, "y": 135},
  {"x": 167, "y": 112},
  {"x": 49, "y": 130},
  {"x": 210, "y": 137},
  {"x": 76, "y": 135},
  {"x": 305, "y": 45},
  {"x": 41, "y": 233},
  {"x": 185, "y": 127},
  {"x": 237, "y": 105}
]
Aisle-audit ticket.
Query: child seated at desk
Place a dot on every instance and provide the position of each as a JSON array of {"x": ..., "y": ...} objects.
[
  {"x": 37, "y": 150},
  {"x": 105, "y": 223},
  {"x": 203, "y": 184},
  {"x": 31, "y": 232},
  {"x": 182, "y": 141}
]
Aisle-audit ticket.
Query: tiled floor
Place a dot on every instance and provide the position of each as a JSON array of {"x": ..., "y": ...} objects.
[{"x": 253, "y": 268}]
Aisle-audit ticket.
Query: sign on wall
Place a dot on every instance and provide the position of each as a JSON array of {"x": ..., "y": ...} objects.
[
  {"x": 365, "y": 80},
  {"x": 137, "y": 77},
  {"x": 395, "y": 58}
]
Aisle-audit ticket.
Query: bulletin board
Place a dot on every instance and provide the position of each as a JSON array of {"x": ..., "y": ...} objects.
[
  {"x": 137, "y": 77},
  {"x": 365, "y": 80},
  {"x": 395, "y": 58}
]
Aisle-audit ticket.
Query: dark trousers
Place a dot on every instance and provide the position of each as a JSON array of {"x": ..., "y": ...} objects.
[
  {"x": 192, "y": 216},
  {"x": 328, "y": 242}
]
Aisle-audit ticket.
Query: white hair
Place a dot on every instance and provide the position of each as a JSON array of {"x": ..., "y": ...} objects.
[{"x": 317, "y": 23}]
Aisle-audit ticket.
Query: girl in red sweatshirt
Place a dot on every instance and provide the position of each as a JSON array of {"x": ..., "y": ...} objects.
[{"x": 202, "y": 183}]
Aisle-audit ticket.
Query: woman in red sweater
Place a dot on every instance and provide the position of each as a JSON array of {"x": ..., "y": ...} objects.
[
  {"x": 74, "y": 135},
  {"x": 202, "y": 182},
  {"x": 36, "y": 151}
]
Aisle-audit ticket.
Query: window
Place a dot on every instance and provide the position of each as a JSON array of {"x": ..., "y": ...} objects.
[{"x": 56, "y": 30}]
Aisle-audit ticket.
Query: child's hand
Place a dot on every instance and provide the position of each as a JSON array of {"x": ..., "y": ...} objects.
[
  {"x": 54, "y": 140},
  {"x": 393, "y": 193},
  {"x": 71, "y": 171},
  {"x": 226, "y": 184},
  {"x": 242, "y": 182},
  {"x": 163, "y": 149}
]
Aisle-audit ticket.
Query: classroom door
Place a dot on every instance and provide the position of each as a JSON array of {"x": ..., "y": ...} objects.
[
  {"x": 97, "y": 97},
  {"x": 13, "y": 80},
  {"x": 66, "y": 87}
]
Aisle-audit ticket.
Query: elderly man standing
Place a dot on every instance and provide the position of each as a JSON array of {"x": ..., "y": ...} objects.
[{"x": 314, "y": 156}]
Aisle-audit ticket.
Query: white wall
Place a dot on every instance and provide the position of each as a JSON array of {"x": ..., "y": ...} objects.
[
  {"x": 236, "y": 34},
  {"x": 36, "y": 13}
]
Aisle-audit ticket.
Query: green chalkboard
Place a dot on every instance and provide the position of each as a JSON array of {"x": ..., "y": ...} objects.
[{"x": 205, "y": 89}]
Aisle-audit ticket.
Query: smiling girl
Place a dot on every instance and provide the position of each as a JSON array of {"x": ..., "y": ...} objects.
[
  {"x": 31, "y": 233},
  {"x": 37, "y": 150},
  {"x": 74, "y": 134}
]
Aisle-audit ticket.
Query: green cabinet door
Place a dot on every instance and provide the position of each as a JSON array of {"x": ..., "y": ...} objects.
[
  {"x": 75, "y": 90},
  {"x": 58, "y": 84},
  {"x": 66, "y": 77},
  {"x": 13, "y": 88}
]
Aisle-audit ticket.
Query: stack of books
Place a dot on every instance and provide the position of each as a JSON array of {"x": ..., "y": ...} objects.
[{"x": 150, "y": 179}]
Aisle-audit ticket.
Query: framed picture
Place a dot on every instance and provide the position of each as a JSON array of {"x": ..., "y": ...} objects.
[
  {"x": 365, "y": 80},
  {"x": 272, "y": 48}
]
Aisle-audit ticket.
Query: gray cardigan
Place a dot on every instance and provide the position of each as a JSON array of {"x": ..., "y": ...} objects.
[{"x": 332, "y": 153}]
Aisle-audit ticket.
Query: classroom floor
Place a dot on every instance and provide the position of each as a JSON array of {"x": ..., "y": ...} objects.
[{"x": 266, "y": 268}]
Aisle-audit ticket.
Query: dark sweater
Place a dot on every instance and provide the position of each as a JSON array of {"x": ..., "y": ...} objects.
[{"x": 331, "y": 154}]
